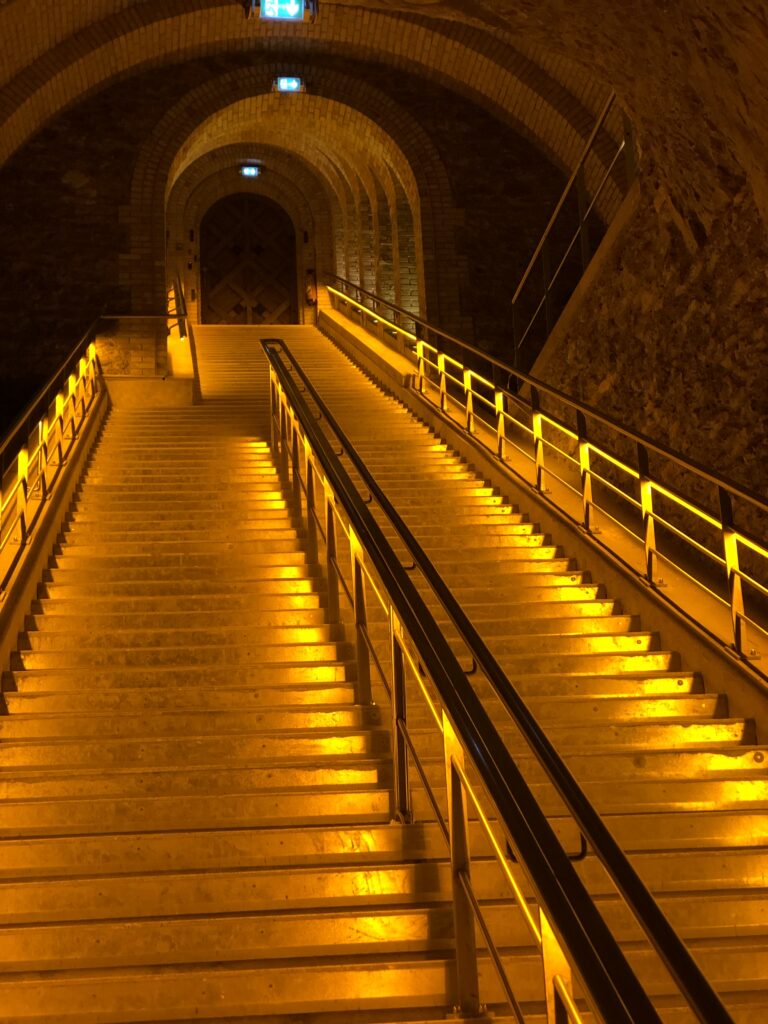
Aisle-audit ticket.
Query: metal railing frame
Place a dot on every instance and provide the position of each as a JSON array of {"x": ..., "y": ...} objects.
[
  {"x": 543, "y": 251},
  {"x": 36, "y": 448},
  {"x": 470, "y": 738},
  {"x": 481, "y": 398}
]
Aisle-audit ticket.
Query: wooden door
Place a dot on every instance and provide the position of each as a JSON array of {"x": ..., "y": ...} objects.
[{"x": 248, "y": 262}]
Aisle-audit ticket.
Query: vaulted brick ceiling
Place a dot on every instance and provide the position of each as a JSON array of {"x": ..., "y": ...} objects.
[{"x": 692, "y": 73}]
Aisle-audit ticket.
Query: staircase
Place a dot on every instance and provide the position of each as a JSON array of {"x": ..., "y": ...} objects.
[
  {"x": 196, "y": 813},
  {"x": 680, "y": 782}
]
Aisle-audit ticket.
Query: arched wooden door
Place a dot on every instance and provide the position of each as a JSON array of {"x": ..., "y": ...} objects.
[{"x": 248, "y": 263}]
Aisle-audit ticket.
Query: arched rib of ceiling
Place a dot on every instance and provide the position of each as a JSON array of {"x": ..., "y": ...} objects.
[
  {"x": 494, "y": 75},
  {"x": 357, "y": 158}
]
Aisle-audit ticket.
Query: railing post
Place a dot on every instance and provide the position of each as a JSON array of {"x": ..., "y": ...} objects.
[
  {"x": 501, "y": 425},
  {"x": 363, "y": 687},
  {"x": 537, "y": 425},
  {"x": 311, "y": 521},
  {"x": 546, "y": 270},
  {"x": 516, "y": 334},
  {"x": 443, "y": 382},
  {"x": 583, "y": 201},
  {"x": 22, "y": 485},
  {"x": 646, "y": 508},
  {"x": 555, "y": 966},
  {"x": 467, "y": 996},
  {"x": 296, "y": 471},
  {"x": 331, "y": 565},
  {"x": 421, "y": 365},
  {"x": 629, "y": 150},
  {"x": 274, "y": 406},
  {"x": 585, "y": 470},
  {"x": 731, "y": 553},
  {"x": 469, "y": 404},
  {"x": 402, "y": 796}
]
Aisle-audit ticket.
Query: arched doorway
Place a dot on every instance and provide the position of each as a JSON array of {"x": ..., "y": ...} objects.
[{"x": 248, "y": 263}]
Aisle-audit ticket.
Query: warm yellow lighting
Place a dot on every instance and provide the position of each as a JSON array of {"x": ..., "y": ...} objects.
[
  {"x": 364, "y": 309},
  {"x": 500, "y": 855}
]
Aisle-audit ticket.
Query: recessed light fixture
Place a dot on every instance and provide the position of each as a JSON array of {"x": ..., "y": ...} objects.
[
  {"x": 288, "y": 83},
  {"x": 250, "y": 170}
]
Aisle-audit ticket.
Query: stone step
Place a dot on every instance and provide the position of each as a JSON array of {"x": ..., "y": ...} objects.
[
  {"x": 236, "y": 634},
  {"x": 319, "y": 671},
  {"x": 208, "y": 656},
  {"x": 214, "y": 617},
  {"x": 206, "y": 722}
]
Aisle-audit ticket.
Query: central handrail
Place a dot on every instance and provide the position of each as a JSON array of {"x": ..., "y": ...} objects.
[
  {"x": 665, "y": 940},
  {"x": 612, "y": 986}
]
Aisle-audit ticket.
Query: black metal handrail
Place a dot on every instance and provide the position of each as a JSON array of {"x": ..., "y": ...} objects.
[
  {"x": 595, "y": 954},
  {"x": 668, "y": 945},
  {"x": 17, "y": 435},
  {"x": 586, "y": 205}
]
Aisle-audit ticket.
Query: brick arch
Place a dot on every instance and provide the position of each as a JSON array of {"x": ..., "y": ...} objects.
[
  {"x": 495, "y": 75},
  {"x": 377, "y": 164},
  {"x": 420, "y": 176},
  {"x": 358, "y": 179},
  {"x": 301, "y": 193}
]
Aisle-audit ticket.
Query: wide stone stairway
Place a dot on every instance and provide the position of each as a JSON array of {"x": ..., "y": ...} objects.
[{"x": 196, "y": 815}]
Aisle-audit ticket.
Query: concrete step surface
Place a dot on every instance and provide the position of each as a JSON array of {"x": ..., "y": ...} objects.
[{"x": 197, "y": 811}]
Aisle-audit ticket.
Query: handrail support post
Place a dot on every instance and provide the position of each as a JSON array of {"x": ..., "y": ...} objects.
[
  {"x": 585, "y": 471},
  {"x": 646, "y": 508},
  {"x": 469, "y": 405},
  {"x": 363, "y": 686},
  {"x": 467, "y": 995},
  {"x": 555, "y": 966},
  {"x": 402, "y": 797},
  {"x": 731, "y": 553}
]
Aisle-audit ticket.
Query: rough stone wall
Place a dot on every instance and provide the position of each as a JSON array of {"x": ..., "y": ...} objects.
[{"x": 673, "y": 340}]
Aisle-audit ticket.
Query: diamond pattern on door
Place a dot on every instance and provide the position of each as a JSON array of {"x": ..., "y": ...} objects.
[{"x": 248, "y": 260}]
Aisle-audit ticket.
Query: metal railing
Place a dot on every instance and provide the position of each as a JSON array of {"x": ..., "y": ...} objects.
[
  {"x": 537, "y": 288},
  {"x": 613, "y": 482},
  {"x": 566, "y": 928},
  {"x": 35, "y": 450}
]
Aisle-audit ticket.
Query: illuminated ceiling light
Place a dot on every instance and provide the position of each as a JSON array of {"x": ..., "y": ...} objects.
[
  {"x": 250, "y": 170},
  {"x": 281, "y": 10},
  {"x": 288, "y": 83}
]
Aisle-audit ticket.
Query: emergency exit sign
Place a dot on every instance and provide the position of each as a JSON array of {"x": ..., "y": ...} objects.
[{"x": 282, "y": 10}]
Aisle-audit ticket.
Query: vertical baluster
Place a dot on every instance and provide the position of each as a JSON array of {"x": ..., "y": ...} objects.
[
  {"x": 630, "y": 156},
  {"x": 555, "y": 966},
  {"x": 22, "y": 486},
  {"x": 583, "y": 201},
  {"x": 296, "y": 463},
  {"x": 731, "y": 553},
  {"x": 585, "y": 470},
  {"x": 443, "y": 382},
  {"x": 501, "y": 425},
  {"x": 274, "y": 406},
  {"x": 517, "y": 332},
  {"x": 469, "y": 403},
  {"x": 421, "y": 364},
  {"x": 467, "y": 997},
  {"x": 402, "y": 796},
  {"x": 537, "y": 424},
  {"x": 546, "y": 272},
  {"x": 361, "y": 622},
  {"x": 646, "y": 508},
  {"x": 311, "y": 510},
  {"x": 332, "y": 571}
]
